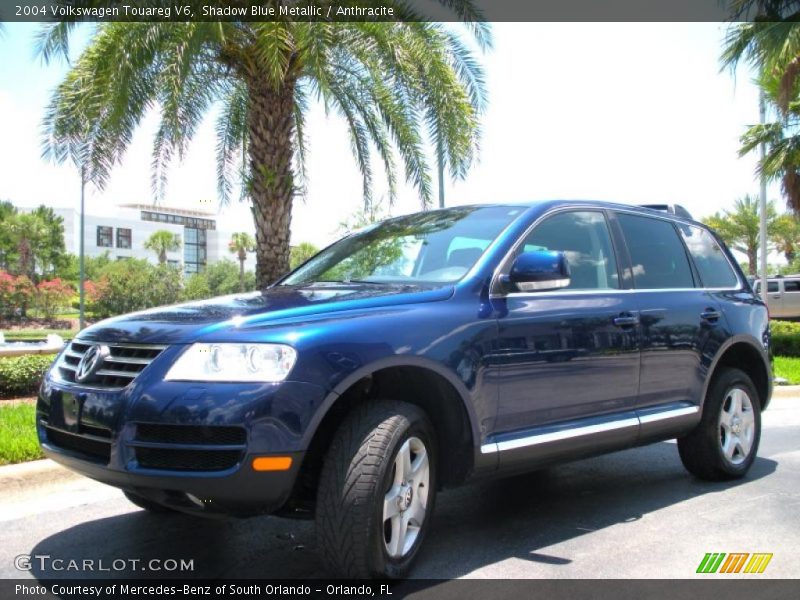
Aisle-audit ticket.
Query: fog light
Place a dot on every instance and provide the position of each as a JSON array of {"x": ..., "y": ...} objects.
[
  {"x": 272, "y": 463},
  {"x": 195, "y": 500}
]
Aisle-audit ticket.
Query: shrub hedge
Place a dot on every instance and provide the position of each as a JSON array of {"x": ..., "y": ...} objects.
[
  {"x": 21, "y": 375},
  {"x": 785, "y": 338}
]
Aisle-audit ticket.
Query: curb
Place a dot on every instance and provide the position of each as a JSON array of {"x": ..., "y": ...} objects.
[
  {"x": 31, "y": 474},
  {"x": 785, "y": 391}
]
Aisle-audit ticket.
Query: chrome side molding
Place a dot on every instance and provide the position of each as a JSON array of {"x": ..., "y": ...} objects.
[{"x": 573, "y": 432}]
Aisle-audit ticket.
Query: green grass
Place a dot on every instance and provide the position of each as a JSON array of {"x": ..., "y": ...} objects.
[
  {"x": 787, "y": 367},
  {"x": 18, "y": 442}
]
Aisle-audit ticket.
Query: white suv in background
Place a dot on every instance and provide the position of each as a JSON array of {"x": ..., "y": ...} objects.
[{"x": 783, "y": 296}]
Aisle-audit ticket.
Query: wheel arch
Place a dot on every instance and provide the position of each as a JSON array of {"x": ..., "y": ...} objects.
[
  {"x": 743, "y": 353},
  {"x": 416, "y": 380}
]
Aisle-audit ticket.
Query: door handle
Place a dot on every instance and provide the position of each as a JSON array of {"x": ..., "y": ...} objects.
[
  {"x": 710, "y": 315},
  {"x": 626, "y": 320},
  {"x": 777, "y": 296}
]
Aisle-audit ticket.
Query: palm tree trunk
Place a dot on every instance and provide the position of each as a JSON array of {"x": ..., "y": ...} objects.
[
  {"x": 241, "y": 274},
  {"x": 752, "y": 260},
  {"x": 270, "y": 149}
]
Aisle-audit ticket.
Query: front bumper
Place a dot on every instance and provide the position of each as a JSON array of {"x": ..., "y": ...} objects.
[
  {"x": 186, "y": 445},
  {"x": 243, "y": 492}
]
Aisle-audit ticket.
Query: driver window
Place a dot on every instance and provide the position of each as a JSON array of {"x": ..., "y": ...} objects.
[{"x": 584, "y": 238}]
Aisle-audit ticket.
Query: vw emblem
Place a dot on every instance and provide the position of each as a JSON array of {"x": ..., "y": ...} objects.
[{"x": 91, "y": 362}]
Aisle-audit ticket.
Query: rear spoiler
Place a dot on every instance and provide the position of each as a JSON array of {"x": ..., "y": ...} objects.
[{"x": 673, "y": 209}]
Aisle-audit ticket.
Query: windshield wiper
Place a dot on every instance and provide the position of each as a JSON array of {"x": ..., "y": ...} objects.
[{"x": 365, "y": 281}]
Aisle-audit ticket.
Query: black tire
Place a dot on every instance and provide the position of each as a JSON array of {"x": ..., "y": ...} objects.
[
  {"x": 358, "y": 472},
  {"x": 702, "y": 451},
  {"x": 148, "y": 505}
]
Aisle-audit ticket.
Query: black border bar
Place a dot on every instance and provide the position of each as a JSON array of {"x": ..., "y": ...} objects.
[{"x": 380, "y": 10}]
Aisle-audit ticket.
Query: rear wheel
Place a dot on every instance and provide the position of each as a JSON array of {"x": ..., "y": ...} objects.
[
  {"x": 377, "y": 491},
  {"x": 725, "y": 442},
  {"x": 148, "y": 505}
]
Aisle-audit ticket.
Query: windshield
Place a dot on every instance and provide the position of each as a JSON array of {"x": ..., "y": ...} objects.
[{"x": 429, "y": 247}]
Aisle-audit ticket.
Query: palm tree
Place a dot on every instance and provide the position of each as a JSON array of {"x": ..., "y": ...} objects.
[
  {"x": 161, "y": 242},
  {"x": 739, "y": 228},
  {"x": 786, "y": 236},
  {"x": 240, "y": 245},
  {"x": 395, "y": 84},
  {"x": 301, "y": 253},
  {"x": 29, "y": 233},
  {"x": 769, "y": 41}
]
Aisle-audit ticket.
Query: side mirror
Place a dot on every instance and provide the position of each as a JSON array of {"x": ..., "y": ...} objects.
[{"x": 539, "y": 271}]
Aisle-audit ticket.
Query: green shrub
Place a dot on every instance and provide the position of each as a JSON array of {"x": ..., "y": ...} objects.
[
  {"x": 223, "y": 278},
  {"x": 196, "y": 287},
  {"x": 785, "y": 345},
  {"x": 784, "y": 327},
  {"x": 785, "y": 338},
  {"x": 129, "y": 285},
  {"x": 21, "y": 375}
]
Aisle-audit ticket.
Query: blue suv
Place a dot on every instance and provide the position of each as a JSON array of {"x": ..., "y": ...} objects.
[{"x": 415, "y": 355}]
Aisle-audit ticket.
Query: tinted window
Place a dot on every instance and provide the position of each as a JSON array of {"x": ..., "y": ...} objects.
[
  {"x": 658, "y": 257},
  {"x": 789, "y": 285},
  {"x": 772, "y": 287},
  {"x": 583, "y": 237},
  {"x": 715, "y": 270}
]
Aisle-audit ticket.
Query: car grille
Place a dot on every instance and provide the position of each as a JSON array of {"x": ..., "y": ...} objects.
[
  {"x": 119, "y": 368},
  {"x": 187, "y": 460},
  {"x": 96, "y": 445},
  {"x": 190, "y": 434},
  {"x": 188, "y": 447}
]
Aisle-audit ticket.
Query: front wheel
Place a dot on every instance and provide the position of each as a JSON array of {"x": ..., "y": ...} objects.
[
  {"x": 725, "y": 442},
  {"x": 377, "y": 491}
]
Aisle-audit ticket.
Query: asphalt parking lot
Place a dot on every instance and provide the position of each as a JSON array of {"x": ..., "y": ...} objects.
[{"x": 633, "y": 514}]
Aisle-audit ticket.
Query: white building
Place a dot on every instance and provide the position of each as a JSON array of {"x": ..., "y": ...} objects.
[{"x": 124, "y": 234}]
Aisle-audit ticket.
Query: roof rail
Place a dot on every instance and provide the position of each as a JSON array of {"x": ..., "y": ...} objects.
[{"x": 673, "y": 209}]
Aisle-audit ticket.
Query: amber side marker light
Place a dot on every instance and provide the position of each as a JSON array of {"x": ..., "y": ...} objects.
[{"x": 272, "y": 463}]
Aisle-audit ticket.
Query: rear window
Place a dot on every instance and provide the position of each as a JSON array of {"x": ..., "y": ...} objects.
[
  {"x": 772, "y": 287},
  {"x": 658, "y": 257},
  {"x": 714, "y": 268}
]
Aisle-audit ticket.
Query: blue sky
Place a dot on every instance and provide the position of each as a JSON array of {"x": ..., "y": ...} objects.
[{"x": 636, "y": 113}]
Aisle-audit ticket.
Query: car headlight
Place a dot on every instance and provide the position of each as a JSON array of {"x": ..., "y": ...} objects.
[{"x": 234, "y": 363}]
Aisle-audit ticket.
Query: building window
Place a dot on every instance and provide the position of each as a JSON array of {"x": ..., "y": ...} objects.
[
  {"x": 123, "y": 238},
  {"x": 192, "y": 222},
  {"x": 105, "y": 236},
  {"x": 194, "y": 250}
]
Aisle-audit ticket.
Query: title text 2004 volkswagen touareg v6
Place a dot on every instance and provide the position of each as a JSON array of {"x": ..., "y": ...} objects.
[{"x": 417, "y": 354}]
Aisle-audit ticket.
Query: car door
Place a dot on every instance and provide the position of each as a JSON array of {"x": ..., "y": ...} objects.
[
  {"x": 567, "y": 360},
  {"x": 680, "y": 320},
  {"x": 791, "y": 298}
]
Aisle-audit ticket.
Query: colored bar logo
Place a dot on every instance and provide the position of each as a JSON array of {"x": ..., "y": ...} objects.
[{"x": 735, "y": 562}]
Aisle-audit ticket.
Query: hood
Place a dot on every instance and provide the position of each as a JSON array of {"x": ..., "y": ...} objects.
[{"x": 284, "y": 305}]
